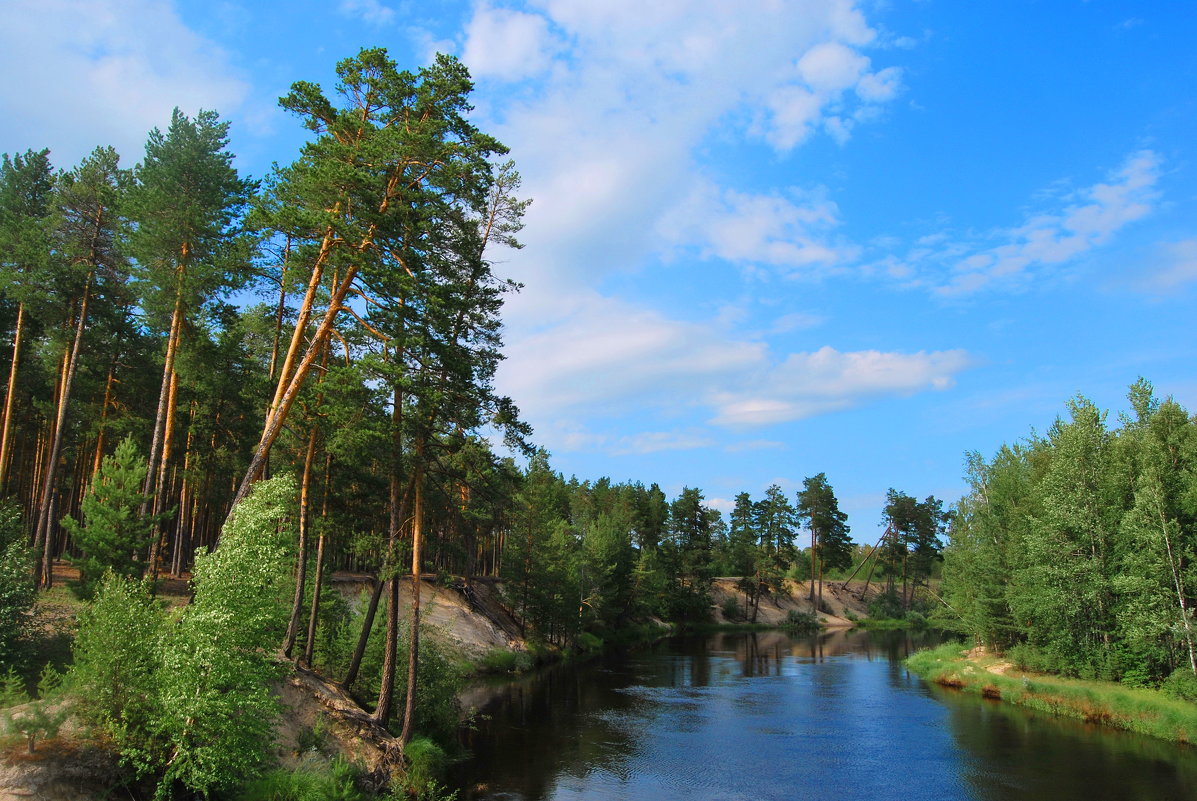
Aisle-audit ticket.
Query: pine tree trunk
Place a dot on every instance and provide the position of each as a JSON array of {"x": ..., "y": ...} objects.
[
  {"x": 301, "y": 562},
  {"x": 71, "y": 362},
  {"x": 286, "y": 398},
  {"x": 160, "y": 493},
  {"x": 10, "y": 395},
  {"x": 413, "y": 645},
  {"x": 99, "y": 455},
  {"x": 168, "y": 369},
  {"x": 355, "y": 663},
  {"x": 310, "y": 643}
]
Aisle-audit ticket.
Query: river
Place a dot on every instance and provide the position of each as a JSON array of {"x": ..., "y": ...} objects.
[{"x": 767, "y": 716}]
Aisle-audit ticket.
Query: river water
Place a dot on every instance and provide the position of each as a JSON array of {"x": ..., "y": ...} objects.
[{"x": 763, "y": 716}]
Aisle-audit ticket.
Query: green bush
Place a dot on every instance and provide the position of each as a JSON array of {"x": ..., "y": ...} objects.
[
  {"x": 802, "y": 621},
  {"x": 588, "y": 643},
  {"x": 501, "y": 660},
  {"x": 1181, "y": 684},
  {"x": 916, "y": 620},
  {"x": 426, "y": 762},
  {"x": 16, "y": 583},
  {"x": 335, "y": 781},
  {"x": 731, "y": 610},
  {"x": 886, "y": 606},
  {"x": 189, "y": 700}
]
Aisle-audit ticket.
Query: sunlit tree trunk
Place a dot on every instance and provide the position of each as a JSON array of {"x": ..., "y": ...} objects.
[
  {"x": 10, "y": 395},
  {"x": 413, "y": 645},
  {"x": 301, "y": 561},
  {"x": 70, "y": 363}
]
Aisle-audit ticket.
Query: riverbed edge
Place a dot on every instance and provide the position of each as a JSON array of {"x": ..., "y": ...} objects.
[{"x": 1141, "y": 710}]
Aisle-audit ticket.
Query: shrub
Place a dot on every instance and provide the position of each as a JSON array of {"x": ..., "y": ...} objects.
[
  {"x": 189, "y": 700},
  {"x": 1181, "y": 684},
  {"x": 335, "y": 781},
  {"x": 802, "y": 621},
  {"x": 16, "y": 583},
  {"x": 886, "y": 606},
  {"x": 731, "y": 610},
  {"x": 426, "y": 762},
  {"x": 916, "y": 620},
  {"x": 588, "y": 643}
]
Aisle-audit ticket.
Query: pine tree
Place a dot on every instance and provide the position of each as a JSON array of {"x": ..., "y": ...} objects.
[{"x": 113, "y": 535}]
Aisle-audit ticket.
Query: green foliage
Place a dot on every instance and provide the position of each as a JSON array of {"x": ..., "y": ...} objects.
[
  {"x": 501, "y": 660},
  {"x": 731, "y": 610},
  {"x": 190, "y": 700},
  {"x": 1078, "y": 551},
  {"x": 116, "y": 661},
  {"x": 886, "y": 606},
  {"x": 16, "y": 583},
  {"x": 426, "y": 763},
  {"x": 218, "y": 708},
  {"x": 802, "y": 621},
  {"x": 312, "y": 781},
  {"x": 588, "y": 643},
  {"x": 1181, "y": 684},
  {"x": 35, "y": 720},
  {"x": 113, "y": 535},
  {"x": 12, "y": 689},
  {"x": 1145, "y": 711},
  {"x": 819, "y": 509}
]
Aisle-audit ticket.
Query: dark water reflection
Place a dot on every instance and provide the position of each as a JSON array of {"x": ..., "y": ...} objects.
[{"x": 767, "y": 716}]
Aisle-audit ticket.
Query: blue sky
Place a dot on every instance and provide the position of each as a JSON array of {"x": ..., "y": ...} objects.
[{"x": 767, "y": 239}]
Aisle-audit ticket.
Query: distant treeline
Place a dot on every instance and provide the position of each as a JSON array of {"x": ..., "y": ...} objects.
[{"x": 1077, "y": 549}]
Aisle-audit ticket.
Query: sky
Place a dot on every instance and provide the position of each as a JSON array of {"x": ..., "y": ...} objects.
[{"x": 768, "y": 238}]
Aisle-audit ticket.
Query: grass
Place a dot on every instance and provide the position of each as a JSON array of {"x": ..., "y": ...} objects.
[{"x": 1144, "y": 711}]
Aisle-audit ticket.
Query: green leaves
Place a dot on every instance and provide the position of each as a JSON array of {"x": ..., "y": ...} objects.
[
  {"x": 191, "y": 700},
  {"x": 1083, "y": 544},
  {"x": 16, "y": 582}
]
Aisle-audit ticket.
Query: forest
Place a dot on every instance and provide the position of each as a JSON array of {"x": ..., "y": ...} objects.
[
  {"x": 1074, "y": 550},
  {"x": 256, "y": 383}
]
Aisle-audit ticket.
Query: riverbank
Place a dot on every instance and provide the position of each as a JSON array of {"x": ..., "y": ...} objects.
[{"x": 1140, "y": 710}]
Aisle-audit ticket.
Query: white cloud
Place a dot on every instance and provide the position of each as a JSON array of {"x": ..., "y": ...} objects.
[
  {"x": 1045, "y": 240},
  {"x": 605, "y": 358},
  {"x": 604, "y": 355},
  {"x": 506, "y": 44},
  {"x": 616, "y": 121},
  {"x": 101, "y": 73},
  {"x": 808, "y": 384},
  {"x": 372, "y": 12},
  {"x": 774, "y": 230},
  {"x": 831, "y": 67},
  {"x": 1180, "y": 259},
  {"x": 624, "y": 95},
  {"x": 656, "y": 441}
]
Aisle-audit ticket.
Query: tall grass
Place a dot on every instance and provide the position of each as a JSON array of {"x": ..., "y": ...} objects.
[{"x": 1141, "y": 710}]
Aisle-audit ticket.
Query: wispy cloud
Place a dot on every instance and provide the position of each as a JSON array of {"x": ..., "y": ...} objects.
[
  {"x": 1044, "y": 241},
  {"x": 808, "y": 384},
  {"x": 1179, "y": 268},
  {"x": 105, "y": 63},
  {"x": 372, "y": 12}
]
